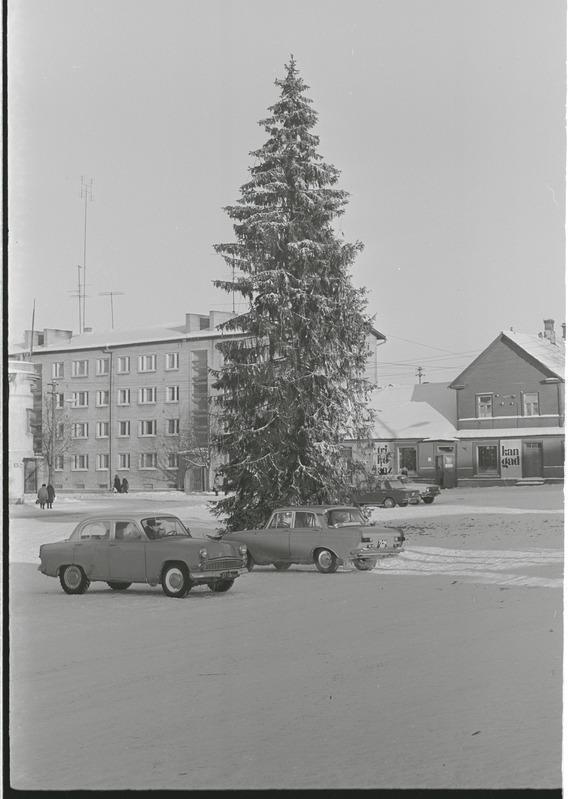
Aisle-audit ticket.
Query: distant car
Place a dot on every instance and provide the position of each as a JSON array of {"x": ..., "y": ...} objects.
[
  {"x": 428, "y": 491},
  {"x": 388, "y": 493},
  {"x": 325, "y": 535},
  {"x": 123, "y": 549}
]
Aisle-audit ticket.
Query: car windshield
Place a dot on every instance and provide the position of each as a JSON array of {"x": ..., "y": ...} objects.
[
  {"x": 395, "y": 483},
  {"x": 344, "y": 516},
  {"x": 164, "y": 526}
]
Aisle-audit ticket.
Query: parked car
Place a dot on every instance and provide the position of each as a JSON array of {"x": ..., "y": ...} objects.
[
  {"x": 325, "y": 535},
  {"x": 121, "y": 549},
  {"x": 428, "y": 491},
  {"x": 387, "y": 493}
]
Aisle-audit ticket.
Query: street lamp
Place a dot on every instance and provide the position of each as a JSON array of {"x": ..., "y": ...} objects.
[{"x": 52, "y": 445}]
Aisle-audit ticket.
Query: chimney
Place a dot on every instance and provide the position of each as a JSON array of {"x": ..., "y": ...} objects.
[
  {"x": 549, "y": 331},
  {"x": 563, "y": 326}
]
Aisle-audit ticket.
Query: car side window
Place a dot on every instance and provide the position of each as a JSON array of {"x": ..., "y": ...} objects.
[
  {"x": 95, "y": 531},
  {"x": 127, "y": 531},
  {"x": 304, "y": 519},
  {"x": 281, "y": 519}
]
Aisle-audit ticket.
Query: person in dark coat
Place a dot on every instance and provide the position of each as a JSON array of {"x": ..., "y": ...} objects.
[
  {"x": 42, "y": 495},
  {"x": 51, "y": 494},
  {"x": 117, "y": 484},
  {"x": 124, "y": 486}
]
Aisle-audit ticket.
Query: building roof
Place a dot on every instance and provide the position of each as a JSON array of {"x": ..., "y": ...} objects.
[{"x": 424, "y": 411}]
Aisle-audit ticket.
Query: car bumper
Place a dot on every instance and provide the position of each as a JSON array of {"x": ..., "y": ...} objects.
[
  {"x": 222, "y": 574},
  {"x": 375, "y": 552}
]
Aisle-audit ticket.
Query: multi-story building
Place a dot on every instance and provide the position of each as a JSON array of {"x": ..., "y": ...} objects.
[{"x": 133, "y": 403}]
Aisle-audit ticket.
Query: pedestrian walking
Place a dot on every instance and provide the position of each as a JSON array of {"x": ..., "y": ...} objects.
[
  {"x": 117, "y": 484},
  {"x": 42, "y": 495},
  {"x": 51, "y": 494},
  {"x": 124, "y": 486}
]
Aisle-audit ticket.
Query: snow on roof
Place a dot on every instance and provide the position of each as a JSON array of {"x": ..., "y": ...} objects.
[
  {"x": 427, "y": 410},
  {"x": 552, "y": 356}
]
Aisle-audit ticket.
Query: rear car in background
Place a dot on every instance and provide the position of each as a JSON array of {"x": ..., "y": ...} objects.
[
  {"x": 387, "y": 493},
  {"x": 428, "y": 491}
]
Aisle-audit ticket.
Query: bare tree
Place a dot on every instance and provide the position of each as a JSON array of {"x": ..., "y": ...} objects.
[{"x": 55, "y": 431}]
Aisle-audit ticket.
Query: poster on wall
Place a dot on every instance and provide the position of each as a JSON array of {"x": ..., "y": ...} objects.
[{"x": 510, "y": 458}]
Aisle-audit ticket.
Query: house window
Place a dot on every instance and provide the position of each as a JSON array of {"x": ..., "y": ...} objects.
[
  {"x": 59, "y": 463},
  {"x": 172, "y": 394},
  {"x": 102, "y": 430},
  {"x": 80, "y": 399},
  {"x": 80, "y": 430},
  {"x": 60, "y": 430},
  {"x": 30, "y": 416},
  {"x": 172, "y": 460},
  {"x": 531, "y": 404},
  {"x": 148, "y": 460},
  {"x": 124, "y": 429},
  {"x": 80, "y": 463},
  {"x": 57, "y": 370},
  {"x": 102, "y": 366},
  {"x": 487, "y": 459},
  {"x": 172, "y": 427},
  {"x": 407, "y": 459},
  {"x": 147, "y": 396},
  {"x": 123, "y": 460},
  {"x": 123, "y": 365},
  {"x": 123, "y": 396},
  {"x": 102, "y": 399},
  {"x": 79, "y": 368},
  {"x": 484, "y": 406},
  {"x": 172, "y": 360},
  {"x": 102, "y": 461},
  {"x": 59, "y": 401},
  {"x": 147, "y": 363},
  {"x": 148, "y": 427}
]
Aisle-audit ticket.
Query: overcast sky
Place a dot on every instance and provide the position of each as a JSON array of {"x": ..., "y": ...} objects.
[{"x": 446, "y": 117}]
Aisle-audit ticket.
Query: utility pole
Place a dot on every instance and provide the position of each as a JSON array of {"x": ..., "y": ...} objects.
[
  {"x": 52, "y": 447},
  {"x": 111, "y": 295},
  {"x": 419, "y": 373},
  {"x": 108, "y": 351},
  {"x": 86, "y": 193}
]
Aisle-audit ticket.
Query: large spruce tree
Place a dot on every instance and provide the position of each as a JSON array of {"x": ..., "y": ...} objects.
[{"x": 293, "y": 383}]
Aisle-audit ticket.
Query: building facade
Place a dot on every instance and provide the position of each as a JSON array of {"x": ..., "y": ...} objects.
[{"x": 22, "y": 460}]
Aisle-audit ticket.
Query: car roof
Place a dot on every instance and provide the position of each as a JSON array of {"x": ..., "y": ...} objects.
[
  {"x": 124, "y": 516},
  {"x": 315, "y": 508}
]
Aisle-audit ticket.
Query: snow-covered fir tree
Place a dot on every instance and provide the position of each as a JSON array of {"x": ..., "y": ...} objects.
[{"x": 293, "y": 383}]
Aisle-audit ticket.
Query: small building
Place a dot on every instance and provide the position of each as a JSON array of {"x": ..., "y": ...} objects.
[{"x": 22, "y": 460}]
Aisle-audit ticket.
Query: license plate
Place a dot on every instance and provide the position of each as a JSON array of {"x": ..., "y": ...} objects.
[{"x": 225, "y": 574}]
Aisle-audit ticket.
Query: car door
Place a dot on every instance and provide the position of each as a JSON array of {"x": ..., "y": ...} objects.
[
  {"x": 127, "y": 553},
  {"x": 273, "y": 543},
  {"x": 304, "y": 536},
  {"x": 91, "y": 548}
]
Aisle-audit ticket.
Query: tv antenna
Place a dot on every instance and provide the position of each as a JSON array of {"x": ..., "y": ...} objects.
[
  {"x": 86, "y": 193},
  {"x": 111, "y": 295}
]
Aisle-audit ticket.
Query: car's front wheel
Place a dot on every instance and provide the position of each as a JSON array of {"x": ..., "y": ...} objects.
[
  {"x": 220, "y": 586},
  {"x": 428, "y": 500},
  {"x": 325, "y": 561},
  {"x": 281, "y": 566},
  {"x": 175, "y": 580},
  {"x": 73, "y": 580},
  {"x": 364, "y": 565},
  {"x": 389, "y": 502},
  {"x": 119, "y": 586}
]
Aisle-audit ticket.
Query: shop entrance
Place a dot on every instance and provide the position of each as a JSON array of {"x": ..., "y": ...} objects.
[
  {"x": 532, "y": 459},
  {"x": 30, "y": 475}
]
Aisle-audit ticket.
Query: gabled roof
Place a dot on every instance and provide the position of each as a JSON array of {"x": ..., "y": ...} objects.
[
  {"x": 550, "y": 357},
  {"x": 424, "y": 411}
]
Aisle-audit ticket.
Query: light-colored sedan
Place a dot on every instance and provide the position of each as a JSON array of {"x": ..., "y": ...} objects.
[
  {"x": 325, "y": 535},
  {"x": 121, "y": 549}
]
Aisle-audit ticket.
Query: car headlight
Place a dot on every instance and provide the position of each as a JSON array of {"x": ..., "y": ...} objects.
[
  {"x": 243, "y": 549},
  {"x": 203, "y": 553}
]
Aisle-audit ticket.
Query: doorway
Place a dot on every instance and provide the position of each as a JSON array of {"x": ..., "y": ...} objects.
[
  {"x": 30, "y": 476},
  {"x": 532, "y": 459}
]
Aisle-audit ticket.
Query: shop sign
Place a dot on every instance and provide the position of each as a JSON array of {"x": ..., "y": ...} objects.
[{"x": 510, "y": 457}]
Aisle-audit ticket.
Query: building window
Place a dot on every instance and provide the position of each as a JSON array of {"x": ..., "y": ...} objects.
[
  {"x": 172, "y": 360},
  {"x": 102, "y": 399},
  {"x": 57, "y": 370},
  {"x": 124, "y": 429},
  {"x": 172, "y": 394},
  {"x": 80, "y": 430},
  {"x": 487, "y": 459},
  {"x": 173, "y": 427},
  {"x": 148, "y": 427},
  {"x": 531, "y": 404},
  {"x": 147, "y": 363},
  {"x": 172, "y": 460},
  {"x": 407, "y": 459},
  {"x": 148, "y": 460},
  {"x": 102, "y": 429},
  {"x": 79, "y": 368},
  {"x": 123, "y": 365},
  {"x": 59, "y": 463},
  {"x": 102, "y": 366},
  {"x": 80, "y": 399},
  {"x": 59, "y": 401},
  {"x": 102, "y": 461},
  {"x": 484, "y": 406},
  {"x": 123, "y": 460},
  {"x": 123, "y": 396},
  {"x": 80, "y": 463},
  {"x": 60, "y": 430},
  {"x": 147, "y": 396}
]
